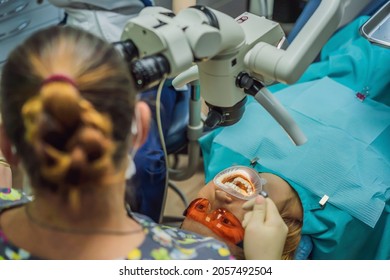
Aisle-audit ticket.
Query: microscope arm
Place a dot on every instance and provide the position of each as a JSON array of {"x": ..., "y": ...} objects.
[
  {"x": 288, "y": 65},
  {"x": 280, "y": 114},
  {"x": 272, "y": 105},
  {"x": 188, "y": 76}
]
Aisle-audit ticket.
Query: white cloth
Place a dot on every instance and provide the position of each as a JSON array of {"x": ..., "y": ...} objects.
[
  {"x": 105, "y": 4},
  {"x": 108, "y": 24}
]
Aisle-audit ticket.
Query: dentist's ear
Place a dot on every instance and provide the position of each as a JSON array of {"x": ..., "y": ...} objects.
[
  {"x": 142, "y": 119},
  {"x": 7, "y": 148}
]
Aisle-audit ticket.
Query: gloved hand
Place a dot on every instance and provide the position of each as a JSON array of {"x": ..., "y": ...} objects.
[{"x": 265, "y": 230}]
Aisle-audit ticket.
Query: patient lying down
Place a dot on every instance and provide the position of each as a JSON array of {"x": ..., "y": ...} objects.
[{"x": 217, "y": 209}]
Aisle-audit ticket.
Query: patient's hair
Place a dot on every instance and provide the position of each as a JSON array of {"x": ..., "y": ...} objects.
[
  {"x": 67, "y": 105},
  {"x": 293, "y": 237},
  {"x": 294, "y": 226}
]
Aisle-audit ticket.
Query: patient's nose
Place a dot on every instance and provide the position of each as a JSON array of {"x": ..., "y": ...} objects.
[{"x": 222, "y": 199}]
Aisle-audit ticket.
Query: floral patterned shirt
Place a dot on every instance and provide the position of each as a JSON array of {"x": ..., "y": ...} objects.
[{"x": 161, "y": 242}]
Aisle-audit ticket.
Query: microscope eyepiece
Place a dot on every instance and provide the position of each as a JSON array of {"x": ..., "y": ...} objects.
[
  {"x": 149, "y": 70},
  {"x": 127, "y": 49}
]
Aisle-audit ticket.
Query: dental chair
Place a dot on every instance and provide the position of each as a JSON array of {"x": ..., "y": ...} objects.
[
  {"x": 356, "y": 8},
  {"x": 146, "y": 191}
]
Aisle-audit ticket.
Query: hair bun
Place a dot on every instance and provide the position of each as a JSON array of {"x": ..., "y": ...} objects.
[
  {"x": 93, "y": 142},
  {"x": 61, "y": 100}
]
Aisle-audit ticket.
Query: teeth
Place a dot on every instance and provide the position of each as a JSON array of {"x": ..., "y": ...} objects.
[{"x": 237, "y": 180}]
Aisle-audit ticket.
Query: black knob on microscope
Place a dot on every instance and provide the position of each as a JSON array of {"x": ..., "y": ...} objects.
[{"x": 213, "y": 119}]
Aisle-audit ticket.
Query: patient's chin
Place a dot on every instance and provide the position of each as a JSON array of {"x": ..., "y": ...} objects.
[{"x": 193, "y": 226}]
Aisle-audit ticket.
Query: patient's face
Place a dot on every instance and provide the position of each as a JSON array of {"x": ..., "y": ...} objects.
[
  {"x": 220, "y": 199},
  {"x": 278, "y": 190},
  {"x": 215, "y": 208}
]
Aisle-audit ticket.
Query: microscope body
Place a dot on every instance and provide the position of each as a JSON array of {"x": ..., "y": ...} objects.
[
  {"x": 217, "y": 76},
  {"x": 230, "y": 57},
  {"x": 214, "y": 42}
]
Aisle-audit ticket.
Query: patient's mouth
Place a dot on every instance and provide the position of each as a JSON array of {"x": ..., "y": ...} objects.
[{"x": 239, "y": 181}]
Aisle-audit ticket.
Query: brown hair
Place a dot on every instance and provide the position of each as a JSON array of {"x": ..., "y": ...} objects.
[
  {"x": 294, "y": 226},
  {"x": 67, "y": 132},
  {"x": 293, "y": 237}
]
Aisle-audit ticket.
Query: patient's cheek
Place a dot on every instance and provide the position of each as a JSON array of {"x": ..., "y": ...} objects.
[
  {"x": 207, "y": 191},
  {"x": 193, "y": 226}
]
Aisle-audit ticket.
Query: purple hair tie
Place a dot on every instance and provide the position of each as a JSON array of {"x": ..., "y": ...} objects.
[{"x": 59, "y": 78}]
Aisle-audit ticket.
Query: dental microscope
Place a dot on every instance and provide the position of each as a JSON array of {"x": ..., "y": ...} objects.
[
  {"x": 225, "y": 60},
  {"x": 230, "y": 58}
]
